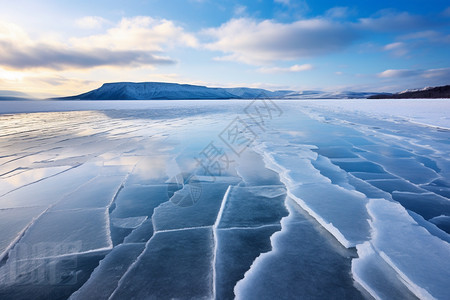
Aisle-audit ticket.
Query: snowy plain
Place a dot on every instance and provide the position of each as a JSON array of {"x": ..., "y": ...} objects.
[{"x": 223, "y": 199}]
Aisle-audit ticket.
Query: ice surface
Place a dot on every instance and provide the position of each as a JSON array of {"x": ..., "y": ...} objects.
[
  {"x": 13, "y": 222},
  {"x": 50, "y": 190},
  {"x": 407, "y": 168},
  {"x": 376, "y": 276},
  {"x": 15, "y": 179},
  {"x": 169, "y": 216},
  {"x": 427, "y": 205},
  {"x": 106, "y": 178},
  {"x": 400, "y": 242},
  {"x": 253, "y": 206},
  {"x": 175, "y": 264},
  {"x": 237, "y": 249},
  {"x": 341, "y": 210},
  {"x": 50, "y": 234},
  {"x": 132, "y": 222},
  {"x": 105, "y": 278},
  {"x": 139, "y": 200},
  {"x": 321, "y": 264},
  {"x": 97, "y": 193},
  {"x": 443, "y": 222},
  {"x": 395, "y": 185}
]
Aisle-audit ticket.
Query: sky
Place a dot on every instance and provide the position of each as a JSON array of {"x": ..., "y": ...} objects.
[{"x": 60, "y": 47}]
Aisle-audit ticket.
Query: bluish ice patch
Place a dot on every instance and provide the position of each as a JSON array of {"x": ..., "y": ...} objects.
[
  {"x": 376, "y": 276},
  {"x": 54, "y": 278},
  {"x": 332, "y": 172},
  {"x": 367, "y": 189},
  {"x": 341, "y": 211},
  {"x": 251, "y": 170},
  {"x": 426, "y": 205},
  {"x": 137, "y": 200},
  {"x": 358, "y": 140},
  {"x": 20, "y": 177},
  {"x": 245, "y": 209},
  {"x": 439, "y": 187},
  {"x": 203, "y": 213},
  {"x": 429, "y": 163},
  {"x": 97, "y": 193},
  {"x": 50, "y": 190},
  {"x": 175, "y": 264},
  {"x": 296, "y": 170},
  {"x": 370, "y": 176},
  {"x": 359, "y": 166},
  {"x": 236, "y": 251},
  {"x": 141, "y": 234},
  {"x": 13, "y": 222},
  {"x": 305, "y": 263},
  {"x": 406, "y": 168},
  {"x": 150, "y": 170},
  {"x": 430, "y": 226},
  {"x": 105, "y": 278},
  {"x": 399, "y": 185},
  {"x": 387, "y": 150},
  {"x": 128, "y": 223},
  {"x": 67, "y": 232},
  {"x": 443, "y": 222},
  {"x": 336, "y": 152},
  {"x": 410, "y": 250}
]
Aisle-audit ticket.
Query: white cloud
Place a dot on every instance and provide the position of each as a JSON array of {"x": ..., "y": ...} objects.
[
  {"x": 240, "y": 10},
  {"x": 294, "y": 68},
  {"x": 429, "y": 73},
  {"x": 252, "y": 42},
  {"x": 399, "y": 73},
  {"x": 337, "y": 12},
  {"x": 139, "y": 33},
  {"x": 91, "y": 22},
  {"x": 391, "y": 22},
  {"x": 285, "y": 2},
  {"x": 132, "y": 42},
  {"x": 394, "y": 46},
  {"x": 397, "y": 48},
  {"x": 428, "y": 36}
]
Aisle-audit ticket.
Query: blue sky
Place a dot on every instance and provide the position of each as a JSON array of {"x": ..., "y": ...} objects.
[{"x": 52, "y": 47}]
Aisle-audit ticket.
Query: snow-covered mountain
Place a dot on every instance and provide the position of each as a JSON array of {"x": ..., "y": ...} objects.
[
  {"x": 175, "y": 91},
  {"x": 250, "y": 93},
  {"x": 171, "y": 91},
  {"x": 167, "y": 91},
  {"x": 328, "y": 95},
  {"x": 428, "y": 92}
]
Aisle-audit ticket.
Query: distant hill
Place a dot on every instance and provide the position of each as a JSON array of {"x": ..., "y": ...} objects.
[
  {"x": 428, "y": 92},
  {"x": 329, "y": 95},
  {"x": 175, "y": 91},
  {"x": 169, "y": 91},
  {"x": 6, "y": 95}
]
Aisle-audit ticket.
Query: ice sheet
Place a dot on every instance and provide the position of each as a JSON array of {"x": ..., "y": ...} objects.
[
  {"x": 417, "y": 256},
  {"x": 50, "y": 234},
  {"x": 105, "y": 278},
  {"x": 253, "y": 206},
  {"x": 97, "y": 193},
  {"x": 13, "y": 222},
  {"x": 321, "y": 266},
  {"x": 175, "y": 264},
  {"x": 330, "y": 160},
  {"x": 169, "y": 216}
]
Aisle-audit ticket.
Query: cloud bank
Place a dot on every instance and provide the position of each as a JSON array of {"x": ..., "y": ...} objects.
[{"x": 132, "y": 42}]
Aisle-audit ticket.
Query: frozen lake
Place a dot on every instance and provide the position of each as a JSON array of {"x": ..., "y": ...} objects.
[{"x": 311, "y": 199}]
